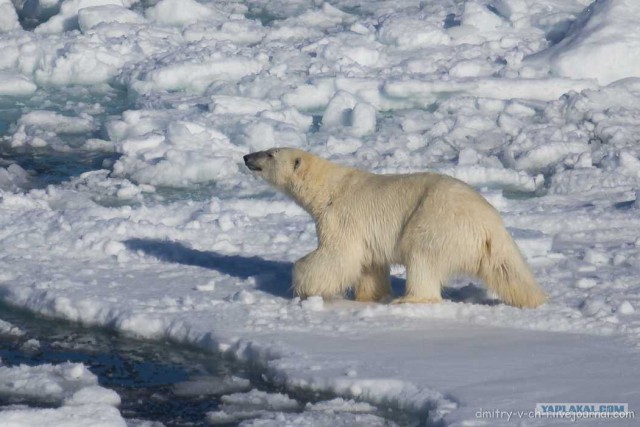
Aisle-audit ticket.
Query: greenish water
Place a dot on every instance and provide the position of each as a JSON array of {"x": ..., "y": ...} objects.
[{"x": 51, "y": 164}]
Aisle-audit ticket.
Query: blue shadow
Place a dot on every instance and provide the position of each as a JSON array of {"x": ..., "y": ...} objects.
[{"x": 273, "y": 277}]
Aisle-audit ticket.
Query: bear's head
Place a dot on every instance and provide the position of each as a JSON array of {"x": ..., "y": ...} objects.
[
  {"x": 310, "y": 180},
  {"x": 280, "y": 167}
]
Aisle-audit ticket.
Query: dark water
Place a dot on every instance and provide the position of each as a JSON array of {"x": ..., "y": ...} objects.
[
  {"x": 47, "y": 167},
  {"x": 142, "y": 372},
  {"x": 153, "y": 378}
]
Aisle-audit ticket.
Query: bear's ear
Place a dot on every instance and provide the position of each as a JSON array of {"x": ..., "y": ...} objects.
[{"x": 297, "y": 163}]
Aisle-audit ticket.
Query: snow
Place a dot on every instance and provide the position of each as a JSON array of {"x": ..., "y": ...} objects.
[
  {"x": 179, "y": 12},
  {"x": 345, "y": 110},
  {"x": 257, "y": 408},
  {"x": 310, "y": 419},
  {"x": 13, "y": 177},
  {"x": 67, "y": 18},
  {"x": 603, "y": 44},
  {"x": 90, "y": 17},
  {"x": 625, "y": 308},
  {"x": 8, "y": 16},
  {"x": 66, "y": 416},
  {"x": 313, "y": 303},
  {"x": 70, "y": 385},
  {"x": 15, "y": 84},
  {"x": 160, "y": 230}
]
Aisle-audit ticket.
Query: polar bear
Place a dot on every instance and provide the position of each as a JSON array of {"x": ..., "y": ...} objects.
[{"x": 436, "y": 226}]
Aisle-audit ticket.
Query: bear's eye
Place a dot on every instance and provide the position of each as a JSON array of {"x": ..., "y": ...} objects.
[
  {"x": 296, "y": 164},
  {"x": 270, "y": 155}
]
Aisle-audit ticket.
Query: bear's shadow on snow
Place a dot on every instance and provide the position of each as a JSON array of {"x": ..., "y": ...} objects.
[{"x": 273, "y": 277}]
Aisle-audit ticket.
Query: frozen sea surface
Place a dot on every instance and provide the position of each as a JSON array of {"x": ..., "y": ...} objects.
[{"x": 124, "y": 201}]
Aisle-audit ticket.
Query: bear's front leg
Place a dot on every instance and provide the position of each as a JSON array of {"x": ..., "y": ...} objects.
[
  {"x": 374, "y": 284},
  {"x": 325, "y": 272}
]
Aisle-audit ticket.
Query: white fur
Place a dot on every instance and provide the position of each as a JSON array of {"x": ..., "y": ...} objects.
[{"x": 435, "y": 225}]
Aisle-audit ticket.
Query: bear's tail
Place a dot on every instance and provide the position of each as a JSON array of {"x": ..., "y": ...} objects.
[{"x": 506, "y": 273}]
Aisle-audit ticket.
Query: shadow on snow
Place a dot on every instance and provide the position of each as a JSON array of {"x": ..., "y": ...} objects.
[{"x": 273, "y": 277}]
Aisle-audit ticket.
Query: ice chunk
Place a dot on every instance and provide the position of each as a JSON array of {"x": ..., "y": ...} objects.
[
  {"x": 205, "y": 386},
  {"x": 311, "y": 96},
  {"x": 197, "y": 76},
  {"x": 338, "y": 112},
  {"x": 585, "y": 283},
  {"x": 342, "y": 146},
  {"x": 596, "y": 257},
  {"x": 49, "y": 383},
  {"x": 265, "y": 134},
  {"x": 363, "y": 119},
  {"x": 426, "y": 92},
  {"x": 479, "y": 16},
  {"x": 78, "y": 60},
  {"x": 15, "y": 84},
  {"x": 341, "y": 405},
  {"x": 469, "y": 68},
  {"x": 513, "y": 10},
  {"x": 625, "y": 308},
  {"x": 31, "y": 345},
  {"x": 9, "y": 329},
  {"x": 8, "y": 17},
  {"x": 175, "y": 153},
  {"x": 92, "y": 395},
  {"x": 410, "y": 32},
  {"x": 290, "y": 116},
  {"x": 13, "y": 177},
  {"x": 96, "y": 415},
  {"x": 344, "y": 110},
  {"x": 91, "y": 17},
  {"x": 595, "y": 307},
  {"x": 67, "y": 18},
  {"x": 221, "y": 104},
  {"x": 603, "y": 44},
  {"x": 180, "y": 12},
  {"x": 206, "y": 287},
  {"x": 482, "y": 176},
  {"x": 238, "y": 31},
  {"x": 39, "y": 128},
  {"x": 325, "y": 17},
  {"x": 261, "y": 400},
  {"x": 58, "y": 123}
]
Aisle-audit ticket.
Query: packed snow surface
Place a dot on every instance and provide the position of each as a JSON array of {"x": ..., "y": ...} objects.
[{"x": 142, "y": 216}]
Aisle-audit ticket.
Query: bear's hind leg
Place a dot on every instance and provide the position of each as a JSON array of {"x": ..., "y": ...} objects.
[
  {"x": 423, "y": 283},
  {"x": 374, "y": 284}
]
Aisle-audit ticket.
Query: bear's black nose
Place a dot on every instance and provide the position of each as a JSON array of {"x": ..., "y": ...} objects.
[{"x": 251, "y": 160}]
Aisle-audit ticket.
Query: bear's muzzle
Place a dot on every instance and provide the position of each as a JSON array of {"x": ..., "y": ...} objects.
[{"x": 252, "y": 161}]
